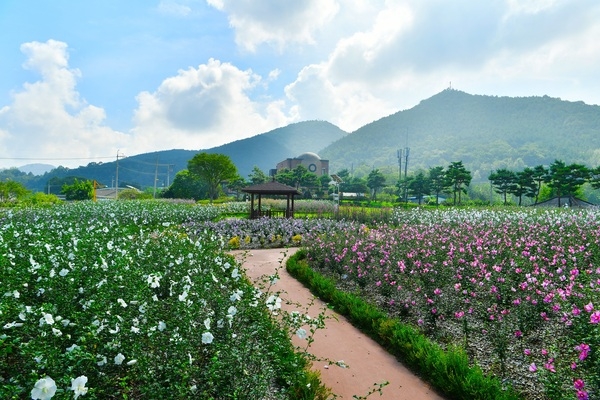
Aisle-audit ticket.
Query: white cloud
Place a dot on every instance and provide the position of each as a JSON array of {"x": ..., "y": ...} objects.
[
  {"x": 171, "y": 7},
  {"x": 47, "y": 119},
  {"x": 276, "y": 22},
  {"x": 413, "y": 49},
  {"x": 204, "y": 107}
]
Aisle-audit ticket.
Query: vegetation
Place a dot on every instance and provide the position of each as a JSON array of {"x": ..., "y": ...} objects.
[
  {"x": 79, "y": 190},
  {"x": 116, "y": 300},
  {"x": 213, "y": 170}
]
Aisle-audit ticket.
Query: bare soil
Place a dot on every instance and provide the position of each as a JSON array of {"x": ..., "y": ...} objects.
[{"x": 368, "y": 364}]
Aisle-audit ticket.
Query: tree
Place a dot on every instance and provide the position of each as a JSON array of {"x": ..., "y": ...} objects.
[
  {"x": 186, "y": 186},
  {"x": 79, "y": 190},
  {"x": 595, "y": 178},
  {"x": 212, "y": 169},
  {"x": 237, "y": 184},
  {"x": 539, "y": 176},
  {"x": 526, "y": 185},
  {"x": 11, "y": 190},
  {"x": 418, "y": 186},
  {"x": 257, "y": 176},
  {"x": 375, "y": 180},
  {"x": 458, "y": 178},
  {"x": 567, "y": 179},
  {"x": 504, "y": 182},
  {"x": 437, "y": 182}
]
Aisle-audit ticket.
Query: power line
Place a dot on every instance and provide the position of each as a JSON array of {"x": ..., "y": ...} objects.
[{"x": 54, "y": 159}]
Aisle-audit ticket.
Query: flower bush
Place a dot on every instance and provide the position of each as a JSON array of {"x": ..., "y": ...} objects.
[
  {"x": 518, "y": 290},
  {"x": 115, "y": 299},
  {"x": 266, "y": 232}
]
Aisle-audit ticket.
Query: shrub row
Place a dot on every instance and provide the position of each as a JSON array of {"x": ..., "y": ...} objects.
[{"x": 448, "y": 371}]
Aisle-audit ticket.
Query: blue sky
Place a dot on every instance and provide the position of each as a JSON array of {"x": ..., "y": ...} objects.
[{"x": 81, "y": 80}]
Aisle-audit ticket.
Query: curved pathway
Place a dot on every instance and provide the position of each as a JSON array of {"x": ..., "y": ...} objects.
[{"x": 368, "y": 363}]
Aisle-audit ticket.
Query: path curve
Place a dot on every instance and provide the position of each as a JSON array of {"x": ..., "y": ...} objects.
[{"x": 368, "y": 362}]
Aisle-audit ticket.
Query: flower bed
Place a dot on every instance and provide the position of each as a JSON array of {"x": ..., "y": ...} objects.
[
  {"x": 115, "y": 300},
  {"x": 517, "y": 290}
]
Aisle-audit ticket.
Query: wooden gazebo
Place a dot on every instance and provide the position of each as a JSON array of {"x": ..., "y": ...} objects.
[{"x": 271, "y": 189}]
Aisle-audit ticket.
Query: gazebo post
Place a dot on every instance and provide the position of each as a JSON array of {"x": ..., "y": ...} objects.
[
  {"x": 259, "y": 206},
  {"x": 252, "y": 206}
]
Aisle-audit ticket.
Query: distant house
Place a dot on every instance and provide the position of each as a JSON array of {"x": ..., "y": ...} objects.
[
  {"x": 566, "y": 201},
  {"x": 311, "y": 161}
]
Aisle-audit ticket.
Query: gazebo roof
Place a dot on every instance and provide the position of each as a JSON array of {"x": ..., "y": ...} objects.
[{"x": 271, "y": 187}]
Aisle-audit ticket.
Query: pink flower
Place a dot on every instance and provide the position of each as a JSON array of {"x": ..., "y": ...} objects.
[
  {"x": 582, "y": 395},
  {"x": 518, "y": 334},
  {"x": 589, "y": 307},
  {"x": 576, "y": 311},
  {"x": 595, "y": 317},
  {"x": 550, "y": 365},
  {"x": 573, "y": 366},
  {"x": 544, "y": 352},
  {"x": 533, "y": 367},
  {"x": 527, "y": 352},
  {"x": 459, "y": 314},
  {"x": 583, "y": 350},
  {"x": 578, "y": 383}
]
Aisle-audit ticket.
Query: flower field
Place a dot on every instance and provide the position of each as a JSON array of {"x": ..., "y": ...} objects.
[
  {"x": 518, "y": 290},
  {"x": 117, "y": 300}
]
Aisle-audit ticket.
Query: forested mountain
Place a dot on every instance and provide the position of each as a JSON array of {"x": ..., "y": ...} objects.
[
  {"x": 264, "y": 150},
  {"x": 484, "y": 132}
]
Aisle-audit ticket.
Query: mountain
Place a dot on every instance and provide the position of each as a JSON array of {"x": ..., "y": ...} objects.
[
  {"x": 264, "y": 150},
  {"x": 36, "y": 169},
  {"x": 484, "y": 132}
]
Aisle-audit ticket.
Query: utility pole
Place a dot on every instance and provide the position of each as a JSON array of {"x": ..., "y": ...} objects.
[
  {"x": 155, "y": 177},
  {"x": 117, "y": 177},
  {"x": 406, "y": 152}
]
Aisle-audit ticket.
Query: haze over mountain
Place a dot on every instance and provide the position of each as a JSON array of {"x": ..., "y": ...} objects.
[{"x": 484, "y": 132}]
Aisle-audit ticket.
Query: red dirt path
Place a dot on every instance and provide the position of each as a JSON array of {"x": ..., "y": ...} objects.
[{"x": 368, "y": 363}]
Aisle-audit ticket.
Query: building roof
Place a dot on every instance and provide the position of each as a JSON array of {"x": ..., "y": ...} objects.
[{"x": 271, "y": 187}]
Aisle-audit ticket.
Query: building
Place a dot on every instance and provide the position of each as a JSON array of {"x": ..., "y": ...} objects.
[{"x": 311, "y": 161}]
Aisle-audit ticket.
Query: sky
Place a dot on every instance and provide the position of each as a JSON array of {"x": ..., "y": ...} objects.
[{"x": 87, "y": 81}]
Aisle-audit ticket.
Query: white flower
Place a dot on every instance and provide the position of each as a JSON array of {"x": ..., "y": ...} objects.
[
  {"x": 72, "y": 347},
  {"x": 235, "y": 273},
  {"x": 101, "y": 362},
  {"x": 122, "y": 303},
  {"x": 16, "y": 294},
  {"x": 207, "y": 323},
  {"x": 237, "y": 295},
  {"x": 273, "y": 302},
  {"x": 232, "y": 311},
  {"x": 207, "y": 338},
  {"x": 154, "y": 280},
  {"x": 131, "y": 362},
  {"x": 162, "y": 326},
  {"x": 301, "y": 333},
  {"x": 46, "y": 318},
  {"x": 183, "y": 296},
  {"x": 78, "y": 386},
  {"x": 43, "y": 389},
  {"x": 119, "y": 359},
  {"x": 63, "y": 272},
  {"x": 56, "y": 332},
  {"x": 135, "y": 329},
  {"x": 110, "y": 245}
]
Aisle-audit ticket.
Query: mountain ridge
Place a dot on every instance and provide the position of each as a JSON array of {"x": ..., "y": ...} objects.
[{"x": 484, "y": 132}]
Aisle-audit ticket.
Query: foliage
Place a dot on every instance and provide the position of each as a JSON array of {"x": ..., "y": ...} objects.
[
  {"x": 448, "y": 371},
  {"x": 257, "y": 176},
  {"x": 375, "y": 181},
  {"x": 115, "y": 300},
  {"x": 78, "y": 190},
  {"x": 186, "y": 186},
  {"x": 12, "y": 191},
  {"x": 212, "y": 169},
  {"x": 517, "y": 289},
  {"x": 458, "y": 178}
]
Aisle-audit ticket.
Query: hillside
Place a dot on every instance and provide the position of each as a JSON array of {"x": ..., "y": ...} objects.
[
  {"x": 485, "y": 132},
  {"x": 264, "y": 150}
]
